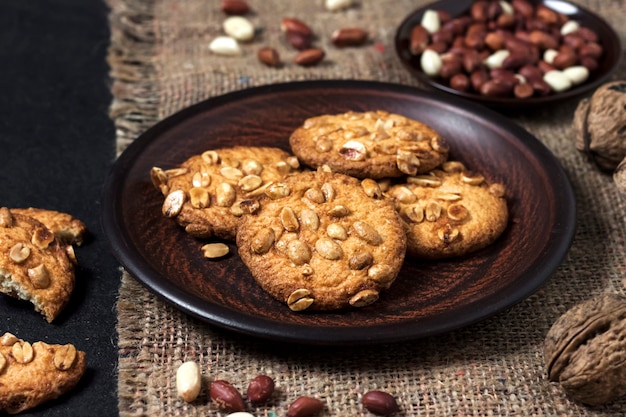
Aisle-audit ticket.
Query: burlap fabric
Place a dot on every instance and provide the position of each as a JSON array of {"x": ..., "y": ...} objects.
[{"x": 160, "y": 64}]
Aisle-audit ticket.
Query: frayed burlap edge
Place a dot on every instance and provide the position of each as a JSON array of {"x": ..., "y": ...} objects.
[{"x": 134, "y": 106}]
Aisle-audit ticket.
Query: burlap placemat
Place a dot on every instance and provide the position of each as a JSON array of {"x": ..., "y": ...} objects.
[{"x": 160, "y": 64}]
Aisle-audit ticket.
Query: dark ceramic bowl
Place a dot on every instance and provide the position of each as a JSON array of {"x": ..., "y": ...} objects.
[
  {"x": 607, "y": 64},
  {"x": 427, "y": 297}
]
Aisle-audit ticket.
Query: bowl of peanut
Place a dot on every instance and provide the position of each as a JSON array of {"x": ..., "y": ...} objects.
[{"x": 509, "y": 54}]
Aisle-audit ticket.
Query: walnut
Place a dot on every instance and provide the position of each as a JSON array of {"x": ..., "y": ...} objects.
[
  {"x": 585, "y": 350},
  {"x": 600, "y": 124}
]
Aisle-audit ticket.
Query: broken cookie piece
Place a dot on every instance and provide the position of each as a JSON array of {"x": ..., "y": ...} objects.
[
  {"x": 34, "y": 265},
  {"x": 67, "y": 229},
  {"x": 31, "y": 374}
]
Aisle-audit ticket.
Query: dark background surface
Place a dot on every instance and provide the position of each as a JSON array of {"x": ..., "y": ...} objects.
[{"x": 57, "y": 145}]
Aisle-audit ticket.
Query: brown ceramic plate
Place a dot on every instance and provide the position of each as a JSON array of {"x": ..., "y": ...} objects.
[
  {"x": 426, "y": 299},
  {"x": 607, "y": 65}
]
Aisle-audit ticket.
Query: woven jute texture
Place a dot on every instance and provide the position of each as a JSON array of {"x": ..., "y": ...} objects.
[{"x": 160, "y": 64}]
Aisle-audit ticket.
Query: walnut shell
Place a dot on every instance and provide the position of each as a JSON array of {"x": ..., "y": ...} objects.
[
  {"x": 600, "y": 124},
  {"x": 585, "y": 350}
]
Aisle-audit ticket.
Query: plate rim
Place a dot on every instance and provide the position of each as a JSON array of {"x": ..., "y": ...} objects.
[
  {"x": 235, "y": 320},
  {"x": 511, "y": 103}
]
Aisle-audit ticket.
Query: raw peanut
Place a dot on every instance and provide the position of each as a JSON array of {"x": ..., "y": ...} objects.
[
  {"x": 478, "y": 78},
  {"x": 430, "y": 62},
  {"x": 546, "y": 15},
  {"x": 260, "y": 389},
  {"x": 494, "y": 41},
  {"x": 442, "y": 36},
  {"x": 530, "y": 72},
  {"x": 309, "y": 57},
  {"x": 235, "y": 7},
  {"x": 460, "y": 82},
  {"x": 588, "y": 62},
  {"x": 188, "y": 381},
  {"x": 450, "y": 65},
  {"x": 549, "y": 55},
  {"x": 419, "y": 39},
  {"x": 439, "y": 47},
  {"x": 444, "y": 17},
  {"x": 523, "y": 7},
  {"x": 305, "y": 407},
  {"x": 430, "y": 21},
  {"x": 496, "y": 88},
  {"x": 524, "y": 90},
  {"x": 505, "y": 20},
  {"x": 545, "y": 67},
  {"x": 506, "y": 7},
  {"x": 587, "y": 34},
  {"x": 478, "y": 11},
  {"x": 299, "y": 41},
  {"x": 238, "y": 27},
  {"x": 574, "y": 40},
  {"x": 226, "y": 397},
  {"x": 591, "y": 49},
  {"x": 516, "y": 60},
  {"x": 504, "y": 76},
  {"x": 471, "y": 61},
  {"x": 290, "y": 24},
  {"x": 269, "y": 56},
  {"x": 455, "y": 26},
  {"x": 380, "y": 403},
  {"x": 543, "y": 40},
  {"x": 494, "y": 10},
  {"x": 540, "y": 87},
  {"x": 564, "y": 60},
  {"x": 476, "y": 28},
  {"x": 349, "y": 37}
]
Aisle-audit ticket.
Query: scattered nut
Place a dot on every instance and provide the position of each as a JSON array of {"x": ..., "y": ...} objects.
[
  {"x": 235, "y": 7},
  {"x": 225, "y": 45},
  {"x": 269, "y": 56},
  {"x": 380, "y": 403},
  {"x": 585, "y": 350},
  {"x": 225, "y": 396},
  {"x": 260, "y": 389},
  {"x": 239, "y": 28},
  {"x": 305, "y": 407},
  {"x": 336, "y": 5},
  {"x": 215, "y": 250},
  {"x": 309, "y": 57},
  {"x": 349, "y": 37},
  {"x": 188, "y": 381}
]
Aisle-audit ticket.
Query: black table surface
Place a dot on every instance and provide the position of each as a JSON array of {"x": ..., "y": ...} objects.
[{"x": 57, "y": 145}]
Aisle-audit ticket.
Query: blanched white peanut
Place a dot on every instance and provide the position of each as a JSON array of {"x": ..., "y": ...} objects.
[
  {"x": 225, "y": 45},
  {"x": 430, "y": 62},
  {"x": 549, "y": 55},
  {"x": 557, "y": 80},
  {"x": 239, "y": 27},
  {"x": 188, "y": 381},
  {"x": 335, "y": 5},
  {"x": 506, "y": 7},
  {"x": 430, "y": 21},
  {"x": 496, "y": 59},
  {"x": 577, "y": 74},
  {"x": 569, "y": 27}
]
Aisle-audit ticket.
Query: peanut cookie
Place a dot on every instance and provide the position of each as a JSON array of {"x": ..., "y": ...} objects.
[
  {"x": 323, "y": 241},
  {"x": 67, "y": 229},
  {"x": 34, "y": 266},
  {"x": 31, "y": 374},
  {"x": 373, "y": 144},
  {"x": 449, "y": 211},
  {"x": 208, "y": 193}
]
